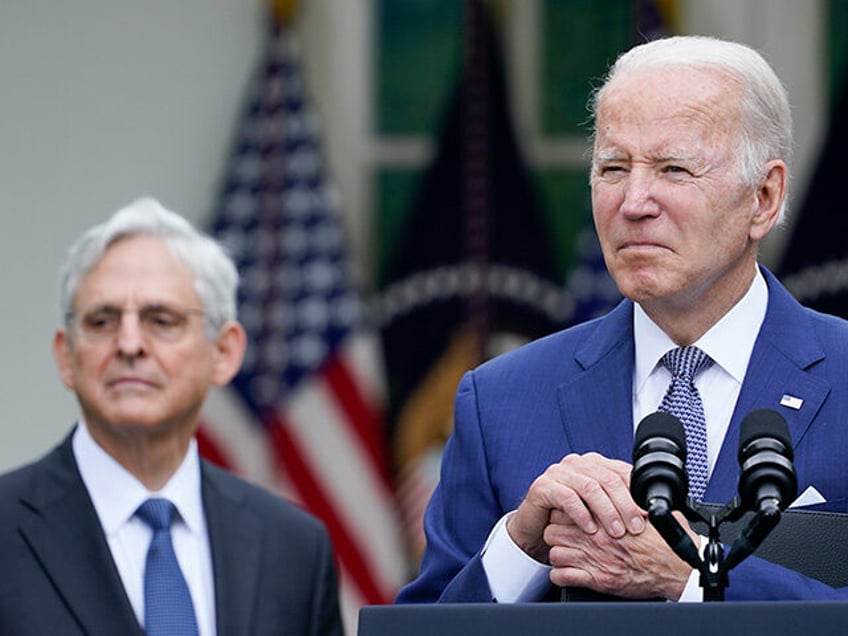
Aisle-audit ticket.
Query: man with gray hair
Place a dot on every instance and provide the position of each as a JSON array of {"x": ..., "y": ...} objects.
[
  {"x": 691, "y": 147},
  {"x": 123, "y": 528}
]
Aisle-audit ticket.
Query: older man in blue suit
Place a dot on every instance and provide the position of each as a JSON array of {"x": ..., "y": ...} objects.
[{"x": 689, "y": 173}]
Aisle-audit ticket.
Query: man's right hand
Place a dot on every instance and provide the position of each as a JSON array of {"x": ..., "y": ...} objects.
[{"x": 591, "y": 491}]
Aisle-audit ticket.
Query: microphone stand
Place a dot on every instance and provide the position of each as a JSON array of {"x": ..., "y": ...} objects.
[{"x": 715, "y": 565}]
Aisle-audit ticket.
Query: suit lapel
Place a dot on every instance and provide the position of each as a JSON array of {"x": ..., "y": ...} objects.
[
  {"x": 61, "y": 528},
  {"x": 783, "y": 352},
  {"x": 601, "y": 395},
  {"x": 235, "y": 536}
]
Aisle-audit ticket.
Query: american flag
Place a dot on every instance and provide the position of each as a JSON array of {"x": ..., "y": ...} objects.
[{"x": 303, "y": 417}]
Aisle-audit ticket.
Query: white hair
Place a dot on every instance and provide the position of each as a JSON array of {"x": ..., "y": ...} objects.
[{"x": 215, "y": 274}]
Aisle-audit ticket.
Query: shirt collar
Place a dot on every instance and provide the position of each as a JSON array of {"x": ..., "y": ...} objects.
[
  {"x": 729, "y": 342},
  {"x": 116, "y": 493}
]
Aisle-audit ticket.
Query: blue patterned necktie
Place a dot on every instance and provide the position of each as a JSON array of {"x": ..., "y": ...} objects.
[
  {"x": 684, "y": 402},
  {"x": 168, "y": 610}
]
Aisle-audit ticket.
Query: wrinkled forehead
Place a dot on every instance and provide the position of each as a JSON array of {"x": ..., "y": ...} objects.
[
  {"x": 675, "y": 104},
  {"x": 669, "y": 87}
]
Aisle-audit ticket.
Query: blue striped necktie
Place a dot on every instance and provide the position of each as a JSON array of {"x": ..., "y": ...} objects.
[
  {"x": 684, "y": 402},
  {"x": 168, "y": 610}
]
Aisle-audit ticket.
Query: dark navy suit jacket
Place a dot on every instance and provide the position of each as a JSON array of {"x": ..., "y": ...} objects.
[
  {"x": 571, "y": 392},
  {"x": 273, "y": 564}
]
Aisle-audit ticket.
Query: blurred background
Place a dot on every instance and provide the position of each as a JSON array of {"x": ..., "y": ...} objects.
[{"x": 403, "y": 184}]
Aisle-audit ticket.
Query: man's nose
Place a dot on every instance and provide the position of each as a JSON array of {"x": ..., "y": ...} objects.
[
  {"x": 131, "y": 337},
  {"x": 640, "y": 194}
]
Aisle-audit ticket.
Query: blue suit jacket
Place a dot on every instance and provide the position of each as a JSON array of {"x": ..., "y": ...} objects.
[
  {"x": 571, "y": 393},
  {"x": 273, "y": 564}
]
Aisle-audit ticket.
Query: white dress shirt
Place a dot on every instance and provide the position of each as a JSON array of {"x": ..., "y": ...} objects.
[
  {"x": 117, "y": 494},
  {"x": 514, "y": 576}
]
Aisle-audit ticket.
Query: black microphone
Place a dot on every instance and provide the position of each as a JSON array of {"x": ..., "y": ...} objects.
[
  {"x": 659, "y": 483},
  {"x": 659, "y": 480},
  {"x": 767, "y": 478}
]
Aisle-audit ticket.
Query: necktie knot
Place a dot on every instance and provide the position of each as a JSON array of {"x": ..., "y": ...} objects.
[
  {"x": 686, "y": 362},
  {"x": 158, "y": 513}
]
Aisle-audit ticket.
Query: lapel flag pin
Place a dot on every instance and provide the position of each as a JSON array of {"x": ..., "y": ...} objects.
[{"x": 791, "y": 401}]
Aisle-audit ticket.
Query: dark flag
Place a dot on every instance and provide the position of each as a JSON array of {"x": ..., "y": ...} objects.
[
  {"x": 815, "y": 262},
  {"x": 473, "y": 273}
]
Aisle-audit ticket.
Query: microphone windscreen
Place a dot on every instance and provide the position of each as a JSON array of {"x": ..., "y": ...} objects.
[
  {"x": 765, "y": 423},
  {"x": 660, "y": 424}
]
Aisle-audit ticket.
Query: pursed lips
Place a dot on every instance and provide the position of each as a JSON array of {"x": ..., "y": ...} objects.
[
  {"x": 642, "y": 245},
  {"x": 127, "y": 380}
]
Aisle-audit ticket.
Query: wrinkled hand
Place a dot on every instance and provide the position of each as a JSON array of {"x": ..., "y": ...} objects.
[
  {"x": 591, "y": 491},
  {"x": 630, "y": 566}
]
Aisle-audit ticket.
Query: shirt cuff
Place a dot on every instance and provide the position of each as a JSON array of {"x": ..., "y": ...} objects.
[
  {"x": 693, "y": 592},
  {"x": 513, "y": 575}
]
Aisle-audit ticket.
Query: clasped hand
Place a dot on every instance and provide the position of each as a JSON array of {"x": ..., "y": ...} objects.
[{"x": 579, "y": 516}]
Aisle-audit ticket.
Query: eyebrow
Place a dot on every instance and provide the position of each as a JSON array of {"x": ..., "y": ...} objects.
[
  {"x": 607, "y": 156},
  {"x": 154, "y": 304},
  {"x": 603, "y": 157}
]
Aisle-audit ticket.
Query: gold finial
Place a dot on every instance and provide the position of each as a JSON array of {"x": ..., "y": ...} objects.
[
  {"x": 669, "y": 11},
  {"x": 284, "y": 10}
]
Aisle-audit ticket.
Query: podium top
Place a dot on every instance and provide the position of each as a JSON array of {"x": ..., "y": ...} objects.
[{"x": 779, "y": 618}]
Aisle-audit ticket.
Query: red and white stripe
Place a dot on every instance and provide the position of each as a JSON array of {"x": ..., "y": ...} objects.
[{"x": 324, "y": 450}]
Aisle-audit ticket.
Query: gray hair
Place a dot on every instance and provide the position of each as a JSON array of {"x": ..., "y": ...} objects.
[
  {"x": 766, "y": 119},
  {"x": 215, "y": 274}
]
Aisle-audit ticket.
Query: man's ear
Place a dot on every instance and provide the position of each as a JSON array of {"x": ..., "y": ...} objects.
[
  {"x": 64, "y": 357},
  {"x": 230, "y": 346},
  {"x": 771, "y": 193}
]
